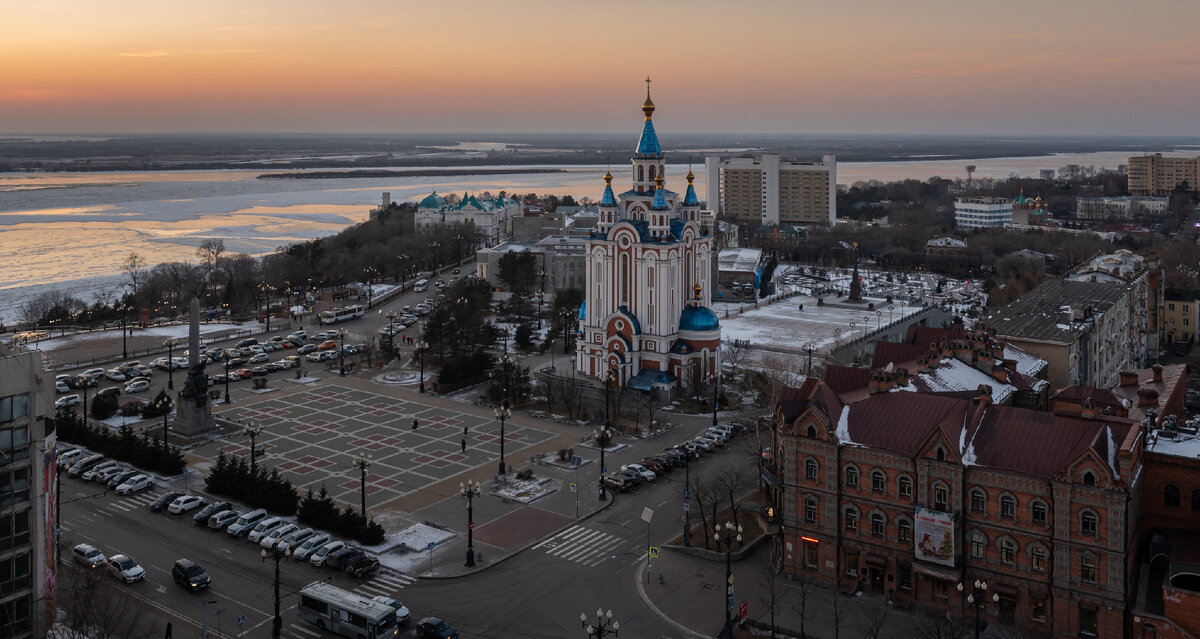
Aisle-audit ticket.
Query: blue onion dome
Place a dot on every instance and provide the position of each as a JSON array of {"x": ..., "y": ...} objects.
[
  {"x": 689, "y": 197},
  {"x": 608, "y": 199},
  {"x": 648, "y": 143},
  {"x": 698, "y": 318}
]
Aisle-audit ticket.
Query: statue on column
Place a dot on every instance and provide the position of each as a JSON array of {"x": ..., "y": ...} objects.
[{"x": 855, "y": 281}]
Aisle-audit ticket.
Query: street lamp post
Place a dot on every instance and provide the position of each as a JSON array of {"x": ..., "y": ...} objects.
[
  {"x": 170, "y": 344},
  {"x": 604, "y": 624},
  {"x": 878, "y": 319},
  {"x": 603, "y": 436},
  {"x": 342, "y": 353},
  {"x": 363, "y": 464},
  {"x": 541, "y": 290},
  {"x": 716, "y": 380},
  {"x": 166, "y": 411},
  {"x": 979, "y": 601},
  {"x": 124, "y": 331},
  {"x": 421, "y": 346},
  {"x": 470, "y": 491},
  {"x": 277, "y": 554},
  {"x": 502, "y": 413},
  {"x": 809, "y": 348},
  {"x": 733, "y": 535},
  {"x": 251, "y": 429},
  {"x": 226, "y": 380}
]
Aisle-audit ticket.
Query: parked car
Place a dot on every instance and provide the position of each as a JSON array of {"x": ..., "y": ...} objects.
[
  {"x": 249, "y": 341},
  {"x": 315, "y": 357},
  {"x": 264, "y": 528},
  {"x": 66, "y": 401},
  {"x": 339, "y": 559},
  {"x": 259, "y": 358},
  {"x": 245, "y": 373},
  {"x": 272, "y": 536},
  {"x": 707, "y": 445},
  {"x": 189, "y": 575},
  {"x": 65, "y": 459},
  {"x": 362, "y": 565},
  {"x": 114, "y": 375},
  {"x": 201, "y": 518},
  {"x": 247, "y": 522},
  {"x": 237, "y": 362},
  {"x": 294, "y": 539},
  {"x": 163, "y": 501},
  {"x": 302, "y": 334},
  {"x": 401, "y": 610},
  {"x": 91, "y": 473},
  {"x": 616, "y": 482},
  {"x": 327, "y": 345},
  {"x": 221, "y": 520},
  {"x": 135, "y": 484},
  {"x": 653, "y": 466},
  {"x": 124, "y": 567},
  {"x": 645, "y": 473},
  {"x": 116, "y": 479},
  {"x": 61, "y": 387},
  {"x": 310, "y": 545},
  {"x": 112, "y": 392},
  {"x": 184, "y": 503},
  {"x": 84, "y": 463},
  {"x": 436, "y": 628},
  {"x": 288, "y": 343},
  {"x": 88, "y": 556},
  {"x": 137, "y": 386},
  {"x": 634, "y": 478},
  {"x": 321, "y": 554}
]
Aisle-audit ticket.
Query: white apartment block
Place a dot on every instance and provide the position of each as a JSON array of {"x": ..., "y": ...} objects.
[
  {"x": 982, "y": 212},
  {"x": 766, "y": 190}
]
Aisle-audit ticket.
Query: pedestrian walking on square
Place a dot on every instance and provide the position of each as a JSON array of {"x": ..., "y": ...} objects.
[
  {"x": 414, "y": 424},
  {"x": 464, "y": 444}
]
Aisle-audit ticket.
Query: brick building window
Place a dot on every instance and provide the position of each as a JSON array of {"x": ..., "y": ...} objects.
[
  {"x": 1037, "y": 607},
  {"x": 851, "y": 518},
  {"x": 1008, "y": 551},
  {"x": 810, "y": 554},
  {"x": 1087, "y": 569},
  {"x": 978, "y": 542},
  {"x": 1037, "y": 512},
  {"x": 904, "y": 576},
  {"x": 1037, "y": 558},
  {"x": 1008, "y": 507},
  {"x": 810, "y": 469},
  {"x": 941, "y": 497},
  {"x": 878, "y": 481},
  {"x": 1087, "y": 523},
  {"x": 878, "y": 523},
  {"x": 1089, "y": 620},
  {"x": 1171, "y": 496},
  {"x": 810, "y": 510},
  {"x": 852, "y": 477},
  {"x": 852, "y": 563},
  {"x": 978, "y": 501},
  {"x": 905, "y": 530},
  {"x": 1196, "y": 500},
  {"x": 905, "y": 487}
]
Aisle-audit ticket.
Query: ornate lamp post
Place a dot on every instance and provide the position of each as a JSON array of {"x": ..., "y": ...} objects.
[
  {"x": 731, "y": 536},
  {"x": 342, "y": 353},
  {"x": 470, "y": 491},
  {"x": 715, "y": 377},
  {"x": 251, "y": 429},
  {"x": 363, "y": 464},
  {"x": 878, "y": 319},
  {"x": 166, "y": 411},
  {"x": 603, "y": 436},
  {"x": 502, "y": 413},
  {"x": 277, "y": 554},
  {"x": 124, "y": 331},
  {"x": 978, "y": 599},
  {"x": 809, "y": 349},
  {"x": 605, "y": 624},
  {"x": 226, "y": 380},
  {"x": 421, "y": 347},
  {"x": 170, "y": 344}
]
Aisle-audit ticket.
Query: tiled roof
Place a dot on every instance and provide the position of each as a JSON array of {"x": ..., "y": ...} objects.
[
  {"x": 843, "y": 379},
  {"x": 904, "y": 422},
  {"x": 1099, "y": 396},
  {"x": 1039, "y": 314},
  {"x": 896, "y": 353},
  {"x": 1039, "y": 443}
]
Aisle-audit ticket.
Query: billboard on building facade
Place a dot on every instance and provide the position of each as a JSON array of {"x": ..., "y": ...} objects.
[{"x": 934, "y": 536}]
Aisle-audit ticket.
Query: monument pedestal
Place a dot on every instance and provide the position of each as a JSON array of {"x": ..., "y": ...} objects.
[{"x": 191, "y": 419}]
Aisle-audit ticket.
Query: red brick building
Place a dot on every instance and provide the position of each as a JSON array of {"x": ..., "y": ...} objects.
[{"x": 909, "y": 495}]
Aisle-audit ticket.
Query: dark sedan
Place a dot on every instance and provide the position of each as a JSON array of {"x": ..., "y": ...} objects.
[{"x": 163, "y": 501}]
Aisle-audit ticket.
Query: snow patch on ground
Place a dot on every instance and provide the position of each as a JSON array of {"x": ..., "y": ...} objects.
[
  {"x": 177, "y": 331},
  {"x": 524, "y": 490}
]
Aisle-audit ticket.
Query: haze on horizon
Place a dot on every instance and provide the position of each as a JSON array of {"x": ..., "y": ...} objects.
[{"x": 1069, "y": 67}]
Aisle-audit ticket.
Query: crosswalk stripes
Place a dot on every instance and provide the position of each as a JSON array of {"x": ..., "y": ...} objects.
[
  {"x": 582, "y": 545},
  {"x": 385, "y": 582},
  {"x": 301, "y": 629}
]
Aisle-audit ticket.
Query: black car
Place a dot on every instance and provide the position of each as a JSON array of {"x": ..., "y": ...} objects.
[
  {"x": 201, "y": 518},
  {"x": 120, "y": 477},
  {"x": 237, "y": 361},
  {"x": 187, "y": 574},
  {"x": 436, "y": 628},
  {"x": 163, "y": 501},
  {"x": 259, "y": 371}
]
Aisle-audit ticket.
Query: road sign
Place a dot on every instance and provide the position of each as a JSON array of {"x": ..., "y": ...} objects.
[
  {"x": 685, "y": 507},
  {"x": 574, "y": 487},
  {"x": 729, "y": 603},
  {"x": 653, "y": 552},
  {"x": 471, "y": 525},
  {"x": 430, "y": 546},
  {"x": 241, "y": 619},
  {"x": 647, "y": 514},
  {"x": 742, "y": 612}
]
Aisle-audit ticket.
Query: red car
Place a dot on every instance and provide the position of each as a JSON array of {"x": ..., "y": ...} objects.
[
  {"x": 287, "y": 344},
  {"x": 653, "y": 465},
  {"x": 244, "y": 373},
  {"x": 327, "y": 345}
]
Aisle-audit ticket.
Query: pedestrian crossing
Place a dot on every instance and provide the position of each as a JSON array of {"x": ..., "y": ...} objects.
[
  {"x": 586, "y": 546},
  {"x": 110, "y": 504}
]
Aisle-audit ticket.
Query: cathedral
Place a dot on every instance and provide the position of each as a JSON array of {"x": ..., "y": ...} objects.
[{"x": 648, "y": 274}]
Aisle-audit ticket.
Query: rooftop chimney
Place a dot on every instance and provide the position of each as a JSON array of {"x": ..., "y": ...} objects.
[
  {"x": 1147, "y": 397},
  {"x": 1129, "y": 378},
  {"x": 1157, "y": 368}
]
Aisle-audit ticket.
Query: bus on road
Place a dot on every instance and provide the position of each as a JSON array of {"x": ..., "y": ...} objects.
[
  {"x": 346, "y": 613},
  {"x": 344, "y": 314}
]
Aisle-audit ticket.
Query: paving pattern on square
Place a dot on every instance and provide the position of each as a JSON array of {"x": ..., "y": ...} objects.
[{"x": 312, "y": 437}]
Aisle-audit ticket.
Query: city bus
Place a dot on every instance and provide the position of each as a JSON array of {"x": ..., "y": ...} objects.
[
  {"x": 344, "y": 314},
  {"x": 421, "y": 285},
  {"x": 346, "y": 613}
]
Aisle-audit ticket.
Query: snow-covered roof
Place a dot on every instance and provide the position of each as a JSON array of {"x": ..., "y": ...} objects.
[
  {"x": 946, "y": 242},
  {"x": 950, "y": 375},
  {"x": 739, "y": 259}
]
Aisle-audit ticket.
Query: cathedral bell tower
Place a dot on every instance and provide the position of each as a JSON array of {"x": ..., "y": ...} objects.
[{"x": 648, "y": 160}]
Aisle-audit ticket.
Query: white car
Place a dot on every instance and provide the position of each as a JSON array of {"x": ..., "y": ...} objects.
[
  {"x": 135, "y": 484},
  {"x": 90, "y": 474},
  {"x": 259, "y": 358},
  {"x": 61, "y": 387},
  {"x": 179, "y": 362},
  {"x": 276, "y": 534},
  {"x": 315, "y": 357},
  {"x": 94, "y": 373},
  {"x": 67, "y": 401},
  {"x": 715, "y": 440},
  {"x": 66, "y": 458},
  {"x": 310, "y": 545},
  {"x": 294, "y": 539},
  {"x": 705, "y": 445},
  {"x": 184, "y": 504},
  {"x": 125, "y": 568},
  {"x": 401, "y": 610},
  {"x": 284, "y": 364},
  {"x": 318, "y": 557},
  {"x": 114, "y": 375},
  {"x": 137, "y": 386},
  {"x": 264, "y": 528},
  {"x": 641, "y": 471},
  {"x": 110, "y": 472}
]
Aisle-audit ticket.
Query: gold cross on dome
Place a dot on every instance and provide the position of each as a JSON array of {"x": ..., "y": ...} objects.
[{"x": 647, "y": 85}]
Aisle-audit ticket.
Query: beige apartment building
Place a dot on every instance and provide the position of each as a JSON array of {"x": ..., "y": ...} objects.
[
  {"x": 1156, "y": 175},
  {"x": 766, "y": 190}
]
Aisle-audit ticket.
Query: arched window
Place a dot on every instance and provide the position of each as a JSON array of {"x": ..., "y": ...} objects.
[
  {"x": 904, "y": 486},
  {"x": 1087, "y": 522},
  {"x": 1089, "y": 479},
  {"x": 1008, "y": 551},
  {"x": 1037, "y": 557},
  {"x": 904, "y": 528},
  {"x": 941, "y": 454},
  {"x": 978, "y": 543},
  {"x": 810, "y": 510},
  {"x": 1008, "y": 506},
  {"x": 1171, "y": 496},
  {"x": 651, "y": 172},
  {"x": 624, "y": 280},
  {"x": 810, "y": 469},
  {"x": 811, "y": 432},
  {"x": 878, "y": 481},
  {"x": 851, "y": 517},
  {"x": 1037, "y": 512},
  {"x": 978, "y": 500},
  {"x": 878, "y": 522},
  {"x": 1087, "y": 568},
  {"x": 641, "y": 174},
  {"x": 941, "y": 497},
  {"x": 852, "y": 477}
]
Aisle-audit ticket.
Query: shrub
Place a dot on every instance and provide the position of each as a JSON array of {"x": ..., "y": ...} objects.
[
  {"x": 103, "y": 407},
  {"x": 465, "y": 367},
  {"x": 524, "y": 336}
]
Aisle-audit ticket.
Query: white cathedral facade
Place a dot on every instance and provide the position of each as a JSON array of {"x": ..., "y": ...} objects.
[{"x": 644, "y": 322}]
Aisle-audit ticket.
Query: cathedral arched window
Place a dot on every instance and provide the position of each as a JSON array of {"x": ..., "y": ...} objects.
[
  {"x": 641, "y": 174},
  {"x": 625, "y": 280},
  {"x": 652, "y": 172}
]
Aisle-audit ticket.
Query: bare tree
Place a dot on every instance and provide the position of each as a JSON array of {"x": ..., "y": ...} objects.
[
  {"x": 134, "y": 266},
  {"x": 773, "y": 591},
  {"x": 708, "y": 496},
  {"x": 209, "y": 252},
  {"x": 936, "y": 626},
  {"x": 803, "y": 596},
  {"x": 732, "y": 483},
  {"x": 872, "y": 620},
  {"x": 838, "y": 612},
  {"x": 98, "y": 610}
]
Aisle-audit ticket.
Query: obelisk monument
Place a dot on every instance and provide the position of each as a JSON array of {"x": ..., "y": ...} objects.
[{"x": 193, "y": 412}]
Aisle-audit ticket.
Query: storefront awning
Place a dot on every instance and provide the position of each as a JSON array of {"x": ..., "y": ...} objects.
[
  {"x": 876, "y": 561},
  {"x": 1008, "y": 592},
  {"x": 944, "y": 573}
]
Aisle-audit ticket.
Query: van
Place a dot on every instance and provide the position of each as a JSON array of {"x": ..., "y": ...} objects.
[
  {"x": 249, "y": 341},
  {"x": 264, "y": 528},
  {"x": 82, "y": 465},
  {"x": 242, "y": 526},
  {"x": 69, "y": 457},
  {"x": 421, "y": 285}
]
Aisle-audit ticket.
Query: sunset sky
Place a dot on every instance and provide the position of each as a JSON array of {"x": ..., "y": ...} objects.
[{"x": 791, "y": 66}]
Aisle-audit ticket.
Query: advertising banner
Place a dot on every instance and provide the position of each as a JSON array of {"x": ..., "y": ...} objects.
[{"x": 934, "y": 538}]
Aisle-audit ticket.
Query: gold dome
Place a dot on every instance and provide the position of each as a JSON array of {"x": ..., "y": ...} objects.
[
  {"x": 658, "y": 179},
  {"x": 608, "y": 177},
  {"x": 696, "y": 289},
  {"x": 648, "y": 105},
  {"x": 690, "y": 177}
]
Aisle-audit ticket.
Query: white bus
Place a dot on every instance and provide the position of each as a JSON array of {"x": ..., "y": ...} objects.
[
  {"x": 344, "y": 314},
  {"x": 346, "y": 613},
  {"x": 421, "y": 285}
]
